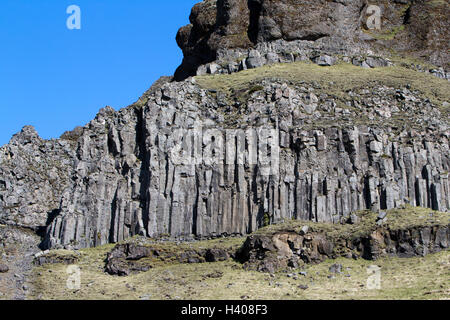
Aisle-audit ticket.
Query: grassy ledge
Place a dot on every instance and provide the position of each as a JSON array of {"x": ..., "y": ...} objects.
[{"x": 335, "y": 80}]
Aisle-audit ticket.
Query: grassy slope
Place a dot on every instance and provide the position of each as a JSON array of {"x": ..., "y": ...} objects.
[
  {"x": 416, "y": 278},
  {"x": 397, "y": 219},
  {"x": 335, "y": 80}
]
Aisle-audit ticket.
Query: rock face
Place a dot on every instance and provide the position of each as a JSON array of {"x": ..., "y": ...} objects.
[
  {"x": 33, "y": 175},
  {"x": 128, "y": 177},
  {"x": 130, "y": 257},
  {"x": 271, "y": 253},
  {"x": 17, "y": 248},
  {"x": 224, "y": 30},
  {"x": 187, "y": 161}
]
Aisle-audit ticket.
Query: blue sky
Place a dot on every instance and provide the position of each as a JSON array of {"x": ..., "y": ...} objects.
[{"x": 56, "y": 79}]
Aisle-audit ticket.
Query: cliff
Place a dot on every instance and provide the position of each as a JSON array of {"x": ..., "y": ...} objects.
[
  {"x": 334, "y": 131},
  {"x": 225, "y": 30}
]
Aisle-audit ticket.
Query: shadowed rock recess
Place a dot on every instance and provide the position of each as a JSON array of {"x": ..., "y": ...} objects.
[{"x": 338, "y": 144}]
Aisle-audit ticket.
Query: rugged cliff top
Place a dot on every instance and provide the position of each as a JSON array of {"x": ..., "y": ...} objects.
[{"x": 408, "y": 27}]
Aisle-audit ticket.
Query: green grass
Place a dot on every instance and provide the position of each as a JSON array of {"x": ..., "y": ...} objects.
[
  {"x": 335, "y": 80},
  {"x": 398, "y": 219},
  {"x": 170, "y": 246},
  {"x": 438, "y": 3},
  {"x": 416, "y": 278},
  {"x": 386, "y": 34}
]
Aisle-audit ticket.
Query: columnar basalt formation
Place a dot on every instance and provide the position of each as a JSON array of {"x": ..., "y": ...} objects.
[
  {"x": 188, "y": 160},
  {"x": 125, "y": 179}
]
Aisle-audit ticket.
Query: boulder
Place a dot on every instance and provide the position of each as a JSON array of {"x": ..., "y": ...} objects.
[
  {"x": 381, "y": 215},
  {"x": 353, "y": 219},
  {"x": 325, "y": 60},
  {"x": 215, "y": 255},
  {"x": 254, "y": 60},
  {"x": 3, "y": 268},
  {"x": 336, "y": 268}
]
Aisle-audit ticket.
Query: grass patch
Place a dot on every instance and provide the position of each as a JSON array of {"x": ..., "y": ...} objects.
[
  {"x": 335, "y": 80},
  {"x": 415, "y": 278},
  {"x": 387, "y": 34},
  {"x": 398, "y": 219},
  {"x": 219, "y": 243}
]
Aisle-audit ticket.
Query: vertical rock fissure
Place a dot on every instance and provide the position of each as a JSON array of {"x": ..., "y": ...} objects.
[
  {"x": 195, "y": 209},
  {"x": 113, "y": 229},
  {"x": 144, "y": 174},
  {"x": 255, "y": 8}
]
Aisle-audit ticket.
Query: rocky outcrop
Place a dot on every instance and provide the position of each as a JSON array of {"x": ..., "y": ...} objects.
[
  {"x": 56, "y": 257},
  {"x": 17, "y": 249},
  {"x": 128, "y": 177},
  {"x": 33, "y": 174},
  {"x": 403, "y": 233},
  {"x": 283, "y": 249},
  {"x": 225, "y": 30},
  {"x": 130, "y": 257},
  {"x": 181, "y": 166}
]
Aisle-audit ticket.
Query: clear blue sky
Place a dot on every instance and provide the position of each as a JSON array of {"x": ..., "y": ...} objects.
[{"x": 56, "y": 79}]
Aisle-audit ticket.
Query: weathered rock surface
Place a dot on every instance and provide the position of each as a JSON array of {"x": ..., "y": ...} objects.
[
  {"x": 33, "y": 174},
  {"x": 17, "y": 249},
  {"x": 227, "y": 29},
  {"x": 274, "y": 252},
  {"x": 44, "y": 258},
  {"x": 124, "y": 259},
  {"x": 123, "y": 176},
  {"x": 130, "y": 257},
  {"x": 126, "y": 180},
  {"x": 215, "y": 255},
  {"x": 3, "y": 268}
]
